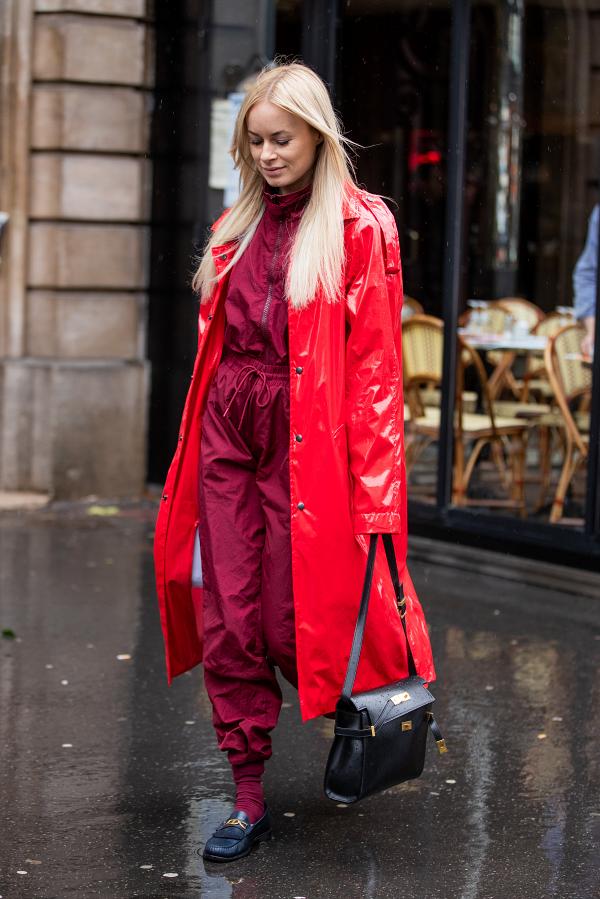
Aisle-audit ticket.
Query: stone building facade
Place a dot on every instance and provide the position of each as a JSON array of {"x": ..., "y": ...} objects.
[{"x": 75, "y": 180}]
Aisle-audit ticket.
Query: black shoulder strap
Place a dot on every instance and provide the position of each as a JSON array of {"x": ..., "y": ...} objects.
[{"x": 359, "y": 630}]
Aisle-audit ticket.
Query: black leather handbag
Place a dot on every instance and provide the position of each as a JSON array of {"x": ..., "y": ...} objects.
[{"x": 380, "y": 735}]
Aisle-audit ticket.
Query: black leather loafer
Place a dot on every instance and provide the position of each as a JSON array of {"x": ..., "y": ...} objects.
[{"x": 236, "y": 837}]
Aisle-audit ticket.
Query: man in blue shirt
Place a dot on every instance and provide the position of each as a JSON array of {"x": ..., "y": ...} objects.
[{"x": 584, "y": 283}]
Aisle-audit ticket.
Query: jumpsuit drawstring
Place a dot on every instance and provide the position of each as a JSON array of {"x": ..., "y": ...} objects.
[{"x": 243, "y": 375}]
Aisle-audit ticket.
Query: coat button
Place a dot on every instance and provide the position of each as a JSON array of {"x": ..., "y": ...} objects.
[
  {"x": 165, "y": 496},
  {"x": 299, "y": 438},
  {"x": 299, "y": 370},
  {"x": 209, "y": 317},
  {"x": 300, "y": 506},
  {"x": 223, "y": 256}
]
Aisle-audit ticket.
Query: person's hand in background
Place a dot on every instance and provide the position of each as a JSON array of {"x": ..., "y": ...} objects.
[{"x": 587, "y": 343}]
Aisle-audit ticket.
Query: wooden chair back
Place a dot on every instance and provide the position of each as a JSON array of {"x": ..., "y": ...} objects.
[
  {"x": 411, "y": 307},
  {"x": 547, "y": 327},
  {"x": 422, "y": 357},
  {"x": 550, "y": 325},
  {"x": 495, "y": 318},
  {"x": 522, "y": 310},
  {"x": 469, "y": 357}
]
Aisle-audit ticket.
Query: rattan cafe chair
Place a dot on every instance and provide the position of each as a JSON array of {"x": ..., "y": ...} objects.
[
  {"x": 571, "y": 383},
  {"x": 505, "y": 435},
  {"x": 411, "y": 307},
  {"x": 522, "y": 310},
  {"x": 496, "y": 320},
  {"x": 422, "y": 347},
  {"x": 535, "y": 380}
]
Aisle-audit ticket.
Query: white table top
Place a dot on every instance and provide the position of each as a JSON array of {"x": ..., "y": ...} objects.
[{"x": 525, "y": 343}]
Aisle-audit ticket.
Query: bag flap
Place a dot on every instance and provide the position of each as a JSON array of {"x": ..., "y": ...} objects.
[{"x": 393, "y": 700}]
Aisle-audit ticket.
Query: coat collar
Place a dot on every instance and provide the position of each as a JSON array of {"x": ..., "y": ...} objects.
[{"x": 350, "y": 204}]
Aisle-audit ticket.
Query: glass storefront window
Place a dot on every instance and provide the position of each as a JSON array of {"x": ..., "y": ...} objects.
[
  {"x": 392, "y": 92},
  {"x": 530, "y": 186}
]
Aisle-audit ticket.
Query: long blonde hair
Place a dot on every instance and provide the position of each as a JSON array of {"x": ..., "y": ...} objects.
[{"x": 317, "y": 255}]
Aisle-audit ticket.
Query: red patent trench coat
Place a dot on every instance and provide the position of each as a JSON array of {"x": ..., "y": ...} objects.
[{"x": 347, "y": 475}]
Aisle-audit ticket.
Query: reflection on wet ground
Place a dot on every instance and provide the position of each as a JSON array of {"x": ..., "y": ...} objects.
[{"x": 110, "y": 781}]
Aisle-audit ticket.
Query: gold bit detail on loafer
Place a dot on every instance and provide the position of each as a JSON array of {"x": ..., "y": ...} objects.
[
  {"x": 232, "y": 822},
  {"x": 441, "y": 745}
]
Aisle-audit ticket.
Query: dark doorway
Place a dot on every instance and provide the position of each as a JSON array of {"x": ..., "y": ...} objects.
[
  {"x": 176, "y": 147},
  {"x": 392, "y": 93}
]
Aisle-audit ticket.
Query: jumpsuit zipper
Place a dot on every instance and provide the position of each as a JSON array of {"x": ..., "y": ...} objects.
[{"x": 267, "y": 306}]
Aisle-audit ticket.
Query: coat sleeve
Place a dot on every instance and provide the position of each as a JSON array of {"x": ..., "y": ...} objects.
[{"x": 373, "y": 390}]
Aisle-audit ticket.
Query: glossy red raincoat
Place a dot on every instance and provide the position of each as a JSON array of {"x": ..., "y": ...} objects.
[{"x": 347, "y": 474}]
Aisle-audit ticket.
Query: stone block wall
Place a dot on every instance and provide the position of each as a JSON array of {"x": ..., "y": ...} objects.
[{"x": 76, "y": 81}]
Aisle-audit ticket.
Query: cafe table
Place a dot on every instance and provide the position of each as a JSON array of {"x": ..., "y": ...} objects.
[
  {"x": 509, "y": 345},
  {"x": 513, "y": 343}
]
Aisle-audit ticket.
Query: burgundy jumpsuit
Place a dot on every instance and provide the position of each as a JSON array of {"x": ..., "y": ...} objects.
[{"x": 244, "y": 498}]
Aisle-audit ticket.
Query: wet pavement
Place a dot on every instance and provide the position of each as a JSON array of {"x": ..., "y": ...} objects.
[{"x": 110, "y": 781}]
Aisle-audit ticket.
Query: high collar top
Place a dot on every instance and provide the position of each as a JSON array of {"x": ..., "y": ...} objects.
[
  {"x": 284, "y": 205},
  {"x": 256, "y": 303}
]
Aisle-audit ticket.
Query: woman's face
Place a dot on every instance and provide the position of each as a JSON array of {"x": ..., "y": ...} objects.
[{"x": 283, "y": 146}]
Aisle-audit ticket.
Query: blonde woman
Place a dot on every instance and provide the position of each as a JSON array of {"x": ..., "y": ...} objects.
[{"x": 291, "y": 446}]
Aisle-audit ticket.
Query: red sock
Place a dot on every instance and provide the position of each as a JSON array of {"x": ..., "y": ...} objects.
[{"x": 249, "y": 795}]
